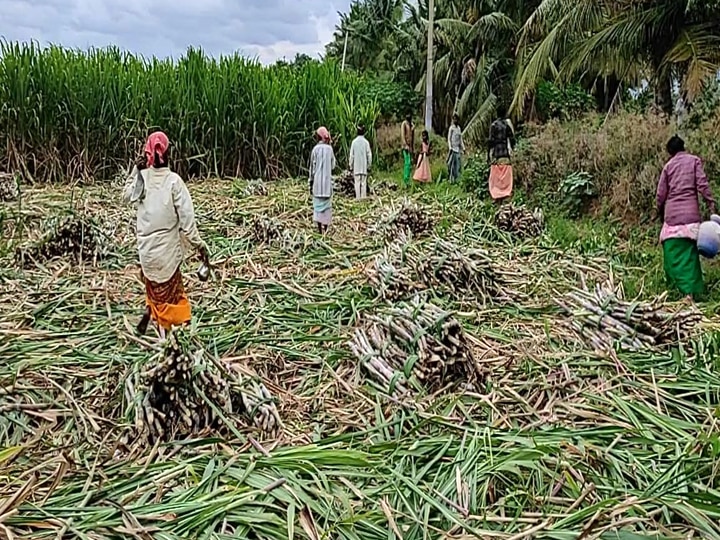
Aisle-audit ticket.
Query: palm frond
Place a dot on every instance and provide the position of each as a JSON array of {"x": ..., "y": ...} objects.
[
  {"x": 698, "y": 47},
  {"x": 477, "y": 129}
]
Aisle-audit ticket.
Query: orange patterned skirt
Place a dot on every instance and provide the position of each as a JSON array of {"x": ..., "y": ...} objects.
[{"x": 168, "y": 303}]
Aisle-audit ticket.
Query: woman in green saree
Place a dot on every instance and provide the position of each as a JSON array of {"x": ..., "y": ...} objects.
[{"x": 681, "y": 183}]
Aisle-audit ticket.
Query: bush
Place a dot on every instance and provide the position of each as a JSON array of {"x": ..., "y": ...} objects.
[
  {"x": 394, "y": 100},
  {"x": 624, "y": 156},
  {"x": 475, "y": 175},
  {"x": 563, "y": 102},
  {"x": 577, "y": 190}
]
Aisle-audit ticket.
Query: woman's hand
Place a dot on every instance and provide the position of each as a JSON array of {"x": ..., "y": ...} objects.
[
  {"x": 204, "y": 254},
  {"x": 141, "y": 163}
]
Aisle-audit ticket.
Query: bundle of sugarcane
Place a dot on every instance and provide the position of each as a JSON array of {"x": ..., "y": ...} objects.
[
  {"x": 446, "y": 265},
  {"x": 76, "y": 236},
  {"x": 266, "y": 230},
  {"x": 415, "y": 343},
  {"x": 255, "y": 401},
  {"x": 181, "y": 393},
  {"x": 388, "y": 276},
  {"x": 520, "y": 221},
  {"x": 255, "y": 188},
  {"x": 345, "y": 184},
  {"x": 8, "y": 187},
  {"x": 407, "y": 218},
  {"x": 405, "y": 267},
  {"x": 380, "y": 187},
  {"x": 604, "y": 320}
]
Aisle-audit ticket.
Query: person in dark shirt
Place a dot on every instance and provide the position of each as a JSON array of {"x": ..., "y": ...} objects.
[{"x": 500, "y": 145}]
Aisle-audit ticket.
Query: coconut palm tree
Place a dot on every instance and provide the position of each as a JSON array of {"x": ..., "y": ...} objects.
[{"x": 626, "y": 40}]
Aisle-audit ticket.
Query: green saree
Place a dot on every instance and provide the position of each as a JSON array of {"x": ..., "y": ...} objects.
[{"x": 681, "y": 261}]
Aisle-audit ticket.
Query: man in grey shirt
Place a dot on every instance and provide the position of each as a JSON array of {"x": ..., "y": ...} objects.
[{"x": 456, "y": 147}]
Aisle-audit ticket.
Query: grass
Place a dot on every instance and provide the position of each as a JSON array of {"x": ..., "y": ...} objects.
[{"x": 559, "y": 442}]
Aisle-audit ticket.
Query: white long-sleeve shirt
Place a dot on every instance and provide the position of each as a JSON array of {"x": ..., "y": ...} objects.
[
  {"x": 360, "y": 155},
  {"x": 165, "y": 217},
  {"x": 322, "y": 163}
]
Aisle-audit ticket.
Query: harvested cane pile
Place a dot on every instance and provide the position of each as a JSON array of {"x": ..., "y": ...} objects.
[
  {"x": 266, "y": 230},
  {"x": 345, "y": 184},
  {"x": 407, "y": 218},
  {"x": 255, "y": 188},
  {"x": 8, "y": 187},
  {"x": 520, "y": 221},
  {"x": 182, "y": 394},
  {"x": 405, "y": 267},
  {"x": 381, "y": 187},
  {"x": 415, "y": 344},
  {"x": 75, "y": 236},
  {"x": 604, "y": 320}
]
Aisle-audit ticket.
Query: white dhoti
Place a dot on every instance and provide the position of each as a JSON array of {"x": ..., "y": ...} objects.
[{"x": 360, "y": 186}]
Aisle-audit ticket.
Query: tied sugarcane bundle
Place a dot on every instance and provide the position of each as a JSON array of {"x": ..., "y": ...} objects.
[
  {"x": 9, "y": 190},
  {"x": 604, "y": 320},
  {"x": 388, "y": 275},
  {"x": 415, "y": 344},
  {"x": 520, "y": 221},
  {"x": 390, "y": 279},
  {"x": 456, "y": 269},
  {"x": 345, "y": 184},
  {"x": 255, "y": 188},
  {"x": 266, "y": 230},
  {"x": 404, "y": 268},
  {"x": 256, "y": 402},
  {"x": 76, "y": 236},
  {"x": 181, "y": 393},
  {"x": 407, "y": 218},
  {"x": 381, "y": 187}
]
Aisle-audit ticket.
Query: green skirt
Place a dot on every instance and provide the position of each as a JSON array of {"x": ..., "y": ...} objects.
[{"x": 681, "y": 260}]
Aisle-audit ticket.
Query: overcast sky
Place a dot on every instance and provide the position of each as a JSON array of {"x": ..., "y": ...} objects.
[{"x": 266, "y": 29}]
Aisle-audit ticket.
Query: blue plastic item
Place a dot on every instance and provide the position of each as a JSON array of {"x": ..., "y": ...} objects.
[{"x": 708, "y": 241}]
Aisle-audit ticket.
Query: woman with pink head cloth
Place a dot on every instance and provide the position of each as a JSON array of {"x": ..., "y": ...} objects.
[
  {"x": 322, "y": 163},
  {"x": 165, "y": 225}
]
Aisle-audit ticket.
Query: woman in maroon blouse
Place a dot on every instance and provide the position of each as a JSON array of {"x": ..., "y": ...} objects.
[{"x": 682, "y": 181}]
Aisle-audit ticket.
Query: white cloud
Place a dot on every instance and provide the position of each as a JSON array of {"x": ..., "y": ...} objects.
[{"x": 268, "y": 29}]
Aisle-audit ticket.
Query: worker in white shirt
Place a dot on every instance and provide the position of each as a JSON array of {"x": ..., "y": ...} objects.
[
  {"x": 360, "y": 162},
  {"x": 165, "y": 225}
]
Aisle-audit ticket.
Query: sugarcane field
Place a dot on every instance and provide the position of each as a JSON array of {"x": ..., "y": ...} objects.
[{"x": 396, "y": 358}]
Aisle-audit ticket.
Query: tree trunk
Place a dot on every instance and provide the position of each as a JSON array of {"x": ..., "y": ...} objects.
[
  {"x": 605, "y": 92},
  {"x": 663, "y": 94}
]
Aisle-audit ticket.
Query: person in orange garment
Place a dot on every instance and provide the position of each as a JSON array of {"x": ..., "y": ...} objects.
[
  {"x": 500, "y": 144},
  {"x": 165, "y": 225}
]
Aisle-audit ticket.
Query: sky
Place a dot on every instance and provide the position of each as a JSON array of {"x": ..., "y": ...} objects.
[{"x": 265, "y": 29}]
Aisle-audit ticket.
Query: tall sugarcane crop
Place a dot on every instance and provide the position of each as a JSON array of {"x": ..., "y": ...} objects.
[{"x": 69, "y": 114}]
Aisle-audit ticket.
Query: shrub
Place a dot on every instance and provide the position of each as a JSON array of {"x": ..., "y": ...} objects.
[
  {"x": 475, "y": 174},
  {"x": 624, "y": 156},
  {"x": 563, "y": 102},
  {"x": 394, "y": 100},
  {"x": 577, "y": 190}
]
